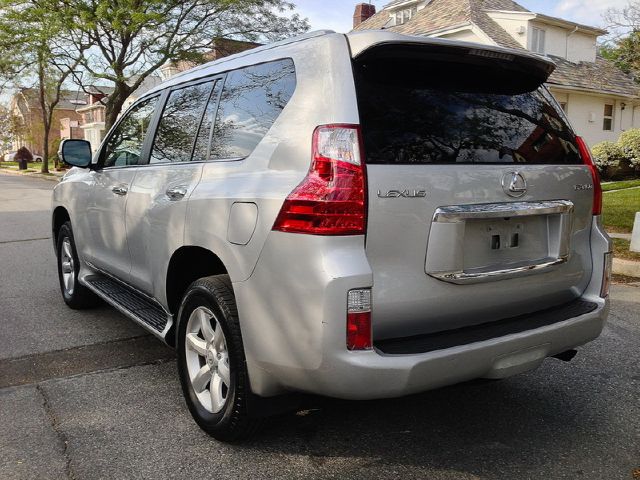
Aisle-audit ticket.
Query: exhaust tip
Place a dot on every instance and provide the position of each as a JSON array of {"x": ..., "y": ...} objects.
[{"x": 566, "y": 356}]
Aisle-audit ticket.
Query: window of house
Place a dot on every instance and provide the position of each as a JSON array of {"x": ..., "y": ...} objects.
[
  {"x": 538, "y": 40},
  {"x": 178, "y": 127},
  {"x": 252, "y": 99},
  {"x": 124, "y": 146},
  {"x": 403, "y": 16},
  {"x": 608, "y": 118}
]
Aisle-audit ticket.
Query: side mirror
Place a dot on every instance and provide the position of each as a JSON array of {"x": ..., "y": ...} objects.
[{"x": 76, "y": 153}]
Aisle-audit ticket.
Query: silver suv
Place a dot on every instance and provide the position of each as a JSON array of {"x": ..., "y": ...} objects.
[{"x": 358, "y": 216}]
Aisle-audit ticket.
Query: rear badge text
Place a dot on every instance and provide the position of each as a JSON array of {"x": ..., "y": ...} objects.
[{"x": 403, "y": 194}]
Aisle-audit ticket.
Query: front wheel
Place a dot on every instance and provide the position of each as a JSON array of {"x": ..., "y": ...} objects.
[
  {"x": 211, "y": 361},
  {"x": 76, "y": 296}
]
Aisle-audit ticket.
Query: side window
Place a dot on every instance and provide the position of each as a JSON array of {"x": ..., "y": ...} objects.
[
  {"x": 124, "y": 146},
  {"x": 178, "y": 126},
  {"x": 538, "y": 40},
  {"x": 251, "y": 101},
  {"x": 607, "y": 125}
]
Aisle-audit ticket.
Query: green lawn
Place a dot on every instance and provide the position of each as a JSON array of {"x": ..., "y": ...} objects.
[
  {"x": 31, "y": 165},
  {"x": 619, "y": 210},
  {"x": 620, "y": 185}
]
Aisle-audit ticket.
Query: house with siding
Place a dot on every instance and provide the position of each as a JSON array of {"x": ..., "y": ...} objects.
[{"x": 600, "y": 99}]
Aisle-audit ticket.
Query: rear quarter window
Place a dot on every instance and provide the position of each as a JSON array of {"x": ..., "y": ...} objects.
[
  {"x": 252, "y": 99},
  {"x": 431, "y": 113}
]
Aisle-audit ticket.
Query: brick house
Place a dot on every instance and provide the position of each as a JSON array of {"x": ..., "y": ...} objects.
[{"x": 25, "y": 109}]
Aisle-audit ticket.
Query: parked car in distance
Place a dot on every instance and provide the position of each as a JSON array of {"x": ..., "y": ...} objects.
[
  {"x": 358, "y": 216},
  {"x": 10, "y": 157}
]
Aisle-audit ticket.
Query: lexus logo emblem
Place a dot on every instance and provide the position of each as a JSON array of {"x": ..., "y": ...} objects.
[{"x": 514, "y": 184}]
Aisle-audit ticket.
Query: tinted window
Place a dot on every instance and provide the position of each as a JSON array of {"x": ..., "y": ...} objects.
[
  {"x": 251, "y": 101},
  {"x": 413, "y": 114},
  {"x": 124, "y": 147},
  {"x": 179, "y": 124}
]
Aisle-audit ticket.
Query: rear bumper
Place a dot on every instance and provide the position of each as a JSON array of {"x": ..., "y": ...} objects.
[
  {"x": 370, "y": 375},
  {"x": 294, "y": 327}
]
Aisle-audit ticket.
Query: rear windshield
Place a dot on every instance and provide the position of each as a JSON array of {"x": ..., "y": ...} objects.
[{"x": 432, "y": 112}]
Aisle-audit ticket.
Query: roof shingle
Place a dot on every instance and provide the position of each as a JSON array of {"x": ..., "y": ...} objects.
[
  {"x": 600, "y": 76},
  {"x": 441, "y": 14}
]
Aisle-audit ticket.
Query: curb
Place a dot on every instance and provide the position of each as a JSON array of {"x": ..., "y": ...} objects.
[
  {"x": 628, "y": 268},
  {"x": 53, "y": 177}
]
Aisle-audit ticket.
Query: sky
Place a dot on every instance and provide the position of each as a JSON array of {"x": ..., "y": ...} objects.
[{"x": 338, "y": 14}]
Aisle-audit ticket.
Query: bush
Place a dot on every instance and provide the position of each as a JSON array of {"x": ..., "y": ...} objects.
[
  {"x": 23, "y": 154},
  {"x": 607, "y": 155},
  {"x": 630, "y": 143}
]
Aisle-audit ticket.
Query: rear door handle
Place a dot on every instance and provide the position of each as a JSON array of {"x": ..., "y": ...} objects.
[
  {"x": 120, "y": 190},
  {"x": 177, "y": 193}
]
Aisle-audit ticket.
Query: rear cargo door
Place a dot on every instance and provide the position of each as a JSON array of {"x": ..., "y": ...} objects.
[{"x": 480, "y": 205}]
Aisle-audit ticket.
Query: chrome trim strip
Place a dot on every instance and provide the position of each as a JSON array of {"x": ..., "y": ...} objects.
[
  {"x": 465, "y": 278},
  {"x": 460, "y": 213}
]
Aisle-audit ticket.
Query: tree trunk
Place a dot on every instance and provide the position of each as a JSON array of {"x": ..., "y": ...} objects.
[
  {"x": 114, "y": 103},
  {"x": 45, "y": 154},
  {"x": 43, "y": 109}
]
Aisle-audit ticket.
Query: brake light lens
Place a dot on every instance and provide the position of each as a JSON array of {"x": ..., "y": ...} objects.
[
  {"x": 588, "y": 161},
  {"x": 359, "y": 320},
  {"x": 331, "y": 198}
]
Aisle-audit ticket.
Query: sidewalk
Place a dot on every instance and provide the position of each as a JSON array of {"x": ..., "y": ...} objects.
[
  {"x": 622, "y": 236},
  {"x": 621, "y": 266},
  {"x": 52, "y": 175}
]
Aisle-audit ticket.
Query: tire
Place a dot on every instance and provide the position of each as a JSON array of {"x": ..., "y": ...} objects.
[
  {"x": 212, "y": 369},
  {"x": 76, "y": 296}
]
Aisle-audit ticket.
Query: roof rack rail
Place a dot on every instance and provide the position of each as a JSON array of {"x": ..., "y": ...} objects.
[{"x": 286, "y": 41}]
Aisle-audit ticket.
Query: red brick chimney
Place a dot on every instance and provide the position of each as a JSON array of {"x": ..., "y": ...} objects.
[{"x": 362, "y": 13}]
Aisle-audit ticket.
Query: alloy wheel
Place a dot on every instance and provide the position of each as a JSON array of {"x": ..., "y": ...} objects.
[
  {"x": 207, "y": 359},
  {"x": 67, "y": 265}
]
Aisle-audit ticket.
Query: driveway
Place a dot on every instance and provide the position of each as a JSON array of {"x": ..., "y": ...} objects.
[{"x": 88, "y": 395}]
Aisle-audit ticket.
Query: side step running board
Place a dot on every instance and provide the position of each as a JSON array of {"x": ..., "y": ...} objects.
[{"x": 131, "y": 303}]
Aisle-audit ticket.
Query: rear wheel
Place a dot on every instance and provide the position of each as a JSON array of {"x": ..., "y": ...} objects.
[
  {"x": 211, "y": 360},
  {"x": 76, "y": 296}
]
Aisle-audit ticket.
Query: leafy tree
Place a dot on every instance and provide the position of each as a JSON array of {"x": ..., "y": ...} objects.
[
  {"x": 6, "y": 128},
  {"x": 625, "y": 52},
  {"x": 125, "y": 41},
  {"x": 31, "y": 33},
  {"x": 624, "y": 48}
]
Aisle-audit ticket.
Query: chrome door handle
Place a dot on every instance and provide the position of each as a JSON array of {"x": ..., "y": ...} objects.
[
  {"x": 176, "y": 193},
  {"x": 120, "y": 190}
]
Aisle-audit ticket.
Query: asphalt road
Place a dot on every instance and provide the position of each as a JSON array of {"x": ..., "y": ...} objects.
[{"x": 88, "y": 395}]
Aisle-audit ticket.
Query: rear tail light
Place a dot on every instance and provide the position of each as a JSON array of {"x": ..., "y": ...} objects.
[
  {"x": 331, "y": 198},
  {"x": 606, "y": 275},
  {"x": 359, "y": 320},
  {"x": 588, "y": 161}
]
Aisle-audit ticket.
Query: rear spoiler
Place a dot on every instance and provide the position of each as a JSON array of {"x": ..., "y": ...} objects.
[{"x": 381, "y": 44}]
